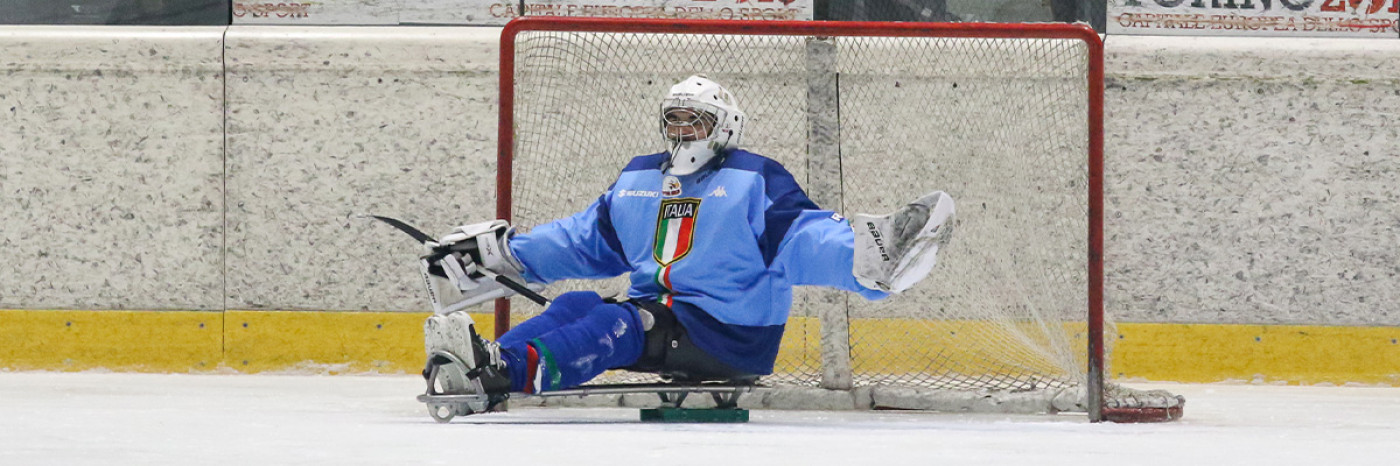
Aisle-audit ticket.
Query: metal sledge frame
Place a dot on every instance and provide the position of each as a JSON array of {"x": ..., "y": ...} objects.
[{"x": 443, "y": 407}]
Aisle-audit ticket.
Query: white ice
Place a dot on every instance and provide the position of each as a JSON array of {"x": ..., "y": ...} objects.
[{"x": 147, "y": 419}]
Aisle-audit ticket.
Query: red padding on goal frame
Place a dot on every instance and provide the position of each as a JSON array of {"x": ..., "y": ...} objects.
[{"x": 1142, "y": 415}]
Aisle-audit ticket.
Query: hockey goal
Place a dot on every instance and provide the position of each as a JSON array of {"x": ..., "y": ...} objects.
[{"x": 1007, "y": 118}]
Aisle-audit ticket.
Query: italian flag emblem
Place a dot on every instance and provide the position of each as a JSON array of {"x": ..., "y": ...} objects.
[{"x": 675, "y": 228}]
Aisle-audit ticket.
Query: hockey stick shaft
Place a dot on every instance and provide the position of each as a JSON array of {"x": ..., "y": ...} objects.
[
  {"x": 516, "y": 287},
  {"x": 424, "y": 238}
]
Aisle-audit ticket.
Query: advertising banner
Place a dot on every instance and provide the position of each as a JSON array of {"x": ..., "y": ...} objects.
[
  {"x": 459, "y": 12},
  {"x": 499, "y": 12},
  {"x": 1286, "y": 18},
  {"x": 318, "y": 12},
  {"x": 675, "y": 9}
]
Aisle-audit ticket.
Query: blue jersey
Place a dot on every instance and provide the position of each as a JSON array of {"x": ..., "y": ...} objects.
[{"x": 722, "y": 246}]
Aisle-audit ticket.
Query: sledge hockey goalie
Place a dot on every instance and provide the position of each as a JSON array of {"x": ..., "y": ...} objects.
[{"x": 713, "y": 238}]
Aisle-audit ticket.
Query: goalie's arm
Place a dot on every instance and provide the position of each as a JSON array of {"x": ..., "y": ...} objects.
[
  {"x": 819, "y": 250},
  {"x": 583, "y": 245},
  {"x": 806, "y": 244}
]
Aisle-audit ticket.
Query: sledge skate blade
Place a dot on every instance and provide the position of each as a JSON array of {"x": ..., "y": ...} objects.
[{"x": 454, "y": 399}]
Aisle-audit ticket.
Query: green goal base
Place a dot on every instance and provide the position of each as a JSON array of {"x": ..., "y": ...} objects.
[{"x": 695, "y": 415}]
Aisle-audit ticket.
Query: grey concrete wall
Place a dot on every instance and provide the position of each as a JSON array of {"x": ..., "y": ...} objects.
[
  {"x": 111, "y": 168},
  {"x": 1249, "y": 181},
  {"x": 1253, "y": 180},
  {"x": 328, "y": 123}
]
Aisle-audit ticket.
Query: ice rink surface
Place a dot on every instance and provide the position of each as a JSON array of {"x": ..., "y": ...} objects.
[{"x": 149, "y": 419}]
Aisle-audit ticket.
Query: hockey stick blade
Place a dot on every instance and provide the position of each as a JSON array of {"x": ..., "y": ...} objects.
[{"x": 417, "y": 234}]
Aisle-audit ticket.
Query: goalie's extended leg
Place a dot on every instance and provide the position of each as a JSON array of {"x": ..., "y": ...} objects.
[
  {"x": 579, "y": 337},
  {"x": 566, "y": 309}
]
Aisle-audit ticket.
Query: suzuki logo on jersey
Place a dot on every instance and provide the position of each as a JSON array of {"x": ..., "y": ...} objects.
[
  {"x": 675, "y": 229},
  {"x": 637, "y": 193},
  {"x": 671, "y": 186}
]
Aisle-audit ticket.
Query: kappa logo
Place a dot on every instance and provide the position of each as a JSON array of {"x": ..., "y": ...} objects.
[
  {"x": 671, "y": 186},
  {"x": 718, "y": 192}
]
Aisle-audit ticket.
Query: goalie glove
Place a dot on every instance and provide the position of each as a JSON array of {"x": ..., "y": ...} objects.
[
  {"x": 468, "y": 260},
  {"x": 895, "y": 251}
]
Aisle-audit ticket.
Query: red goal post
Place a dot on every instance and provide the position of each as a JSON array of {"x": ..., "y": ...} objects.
[{"x": 550, "y": 67}]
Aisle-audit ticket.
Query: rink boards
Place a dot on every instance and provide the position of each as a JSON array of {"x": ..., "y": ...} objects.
[
  {"x": 391, "y": 342},
  {"x": 199, "y": 171}
]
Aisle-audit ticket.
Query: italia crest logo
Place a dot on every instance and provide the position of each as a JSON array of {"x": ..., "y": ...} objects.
[{"x": 675, "y": 229}]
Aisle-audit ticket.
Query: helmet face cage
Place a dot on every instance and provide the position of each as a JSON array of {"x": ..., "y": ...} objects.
[
  {"x": 683, "y": 120},
  {"x": 699, "y": 121}
]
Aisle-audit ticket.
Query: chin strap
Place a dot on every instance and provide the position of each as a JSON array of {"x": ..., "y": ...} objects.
[{"x": 676, "y": 151}]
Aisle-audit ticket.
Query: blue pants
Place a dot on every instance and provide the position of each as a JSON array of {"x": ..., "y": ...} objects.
[{"x": 577, "y": 338}]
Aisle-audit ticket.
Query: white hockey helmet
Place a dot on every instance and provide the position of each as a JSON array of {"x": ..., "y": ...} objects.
[{"x": 699, "y": 120}]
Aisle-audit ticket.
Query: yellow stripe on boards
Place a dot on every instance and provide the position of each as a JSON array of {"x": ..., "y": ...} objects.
[
  {"x": 194, "y": 341},
  {"x": 1300, "y": 354},
  {"x": 800, "y": 350},
  {"x": 392, "y": 342},
  {"x": 1162, "y": 352},
  {"x": 330, "y": 342},
  {"x": 143, "y": 341}
]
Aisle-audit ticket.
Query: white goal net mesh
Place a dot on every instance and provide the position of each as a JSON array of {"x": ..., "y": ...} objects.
[{"x": 865, "y": 124}]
